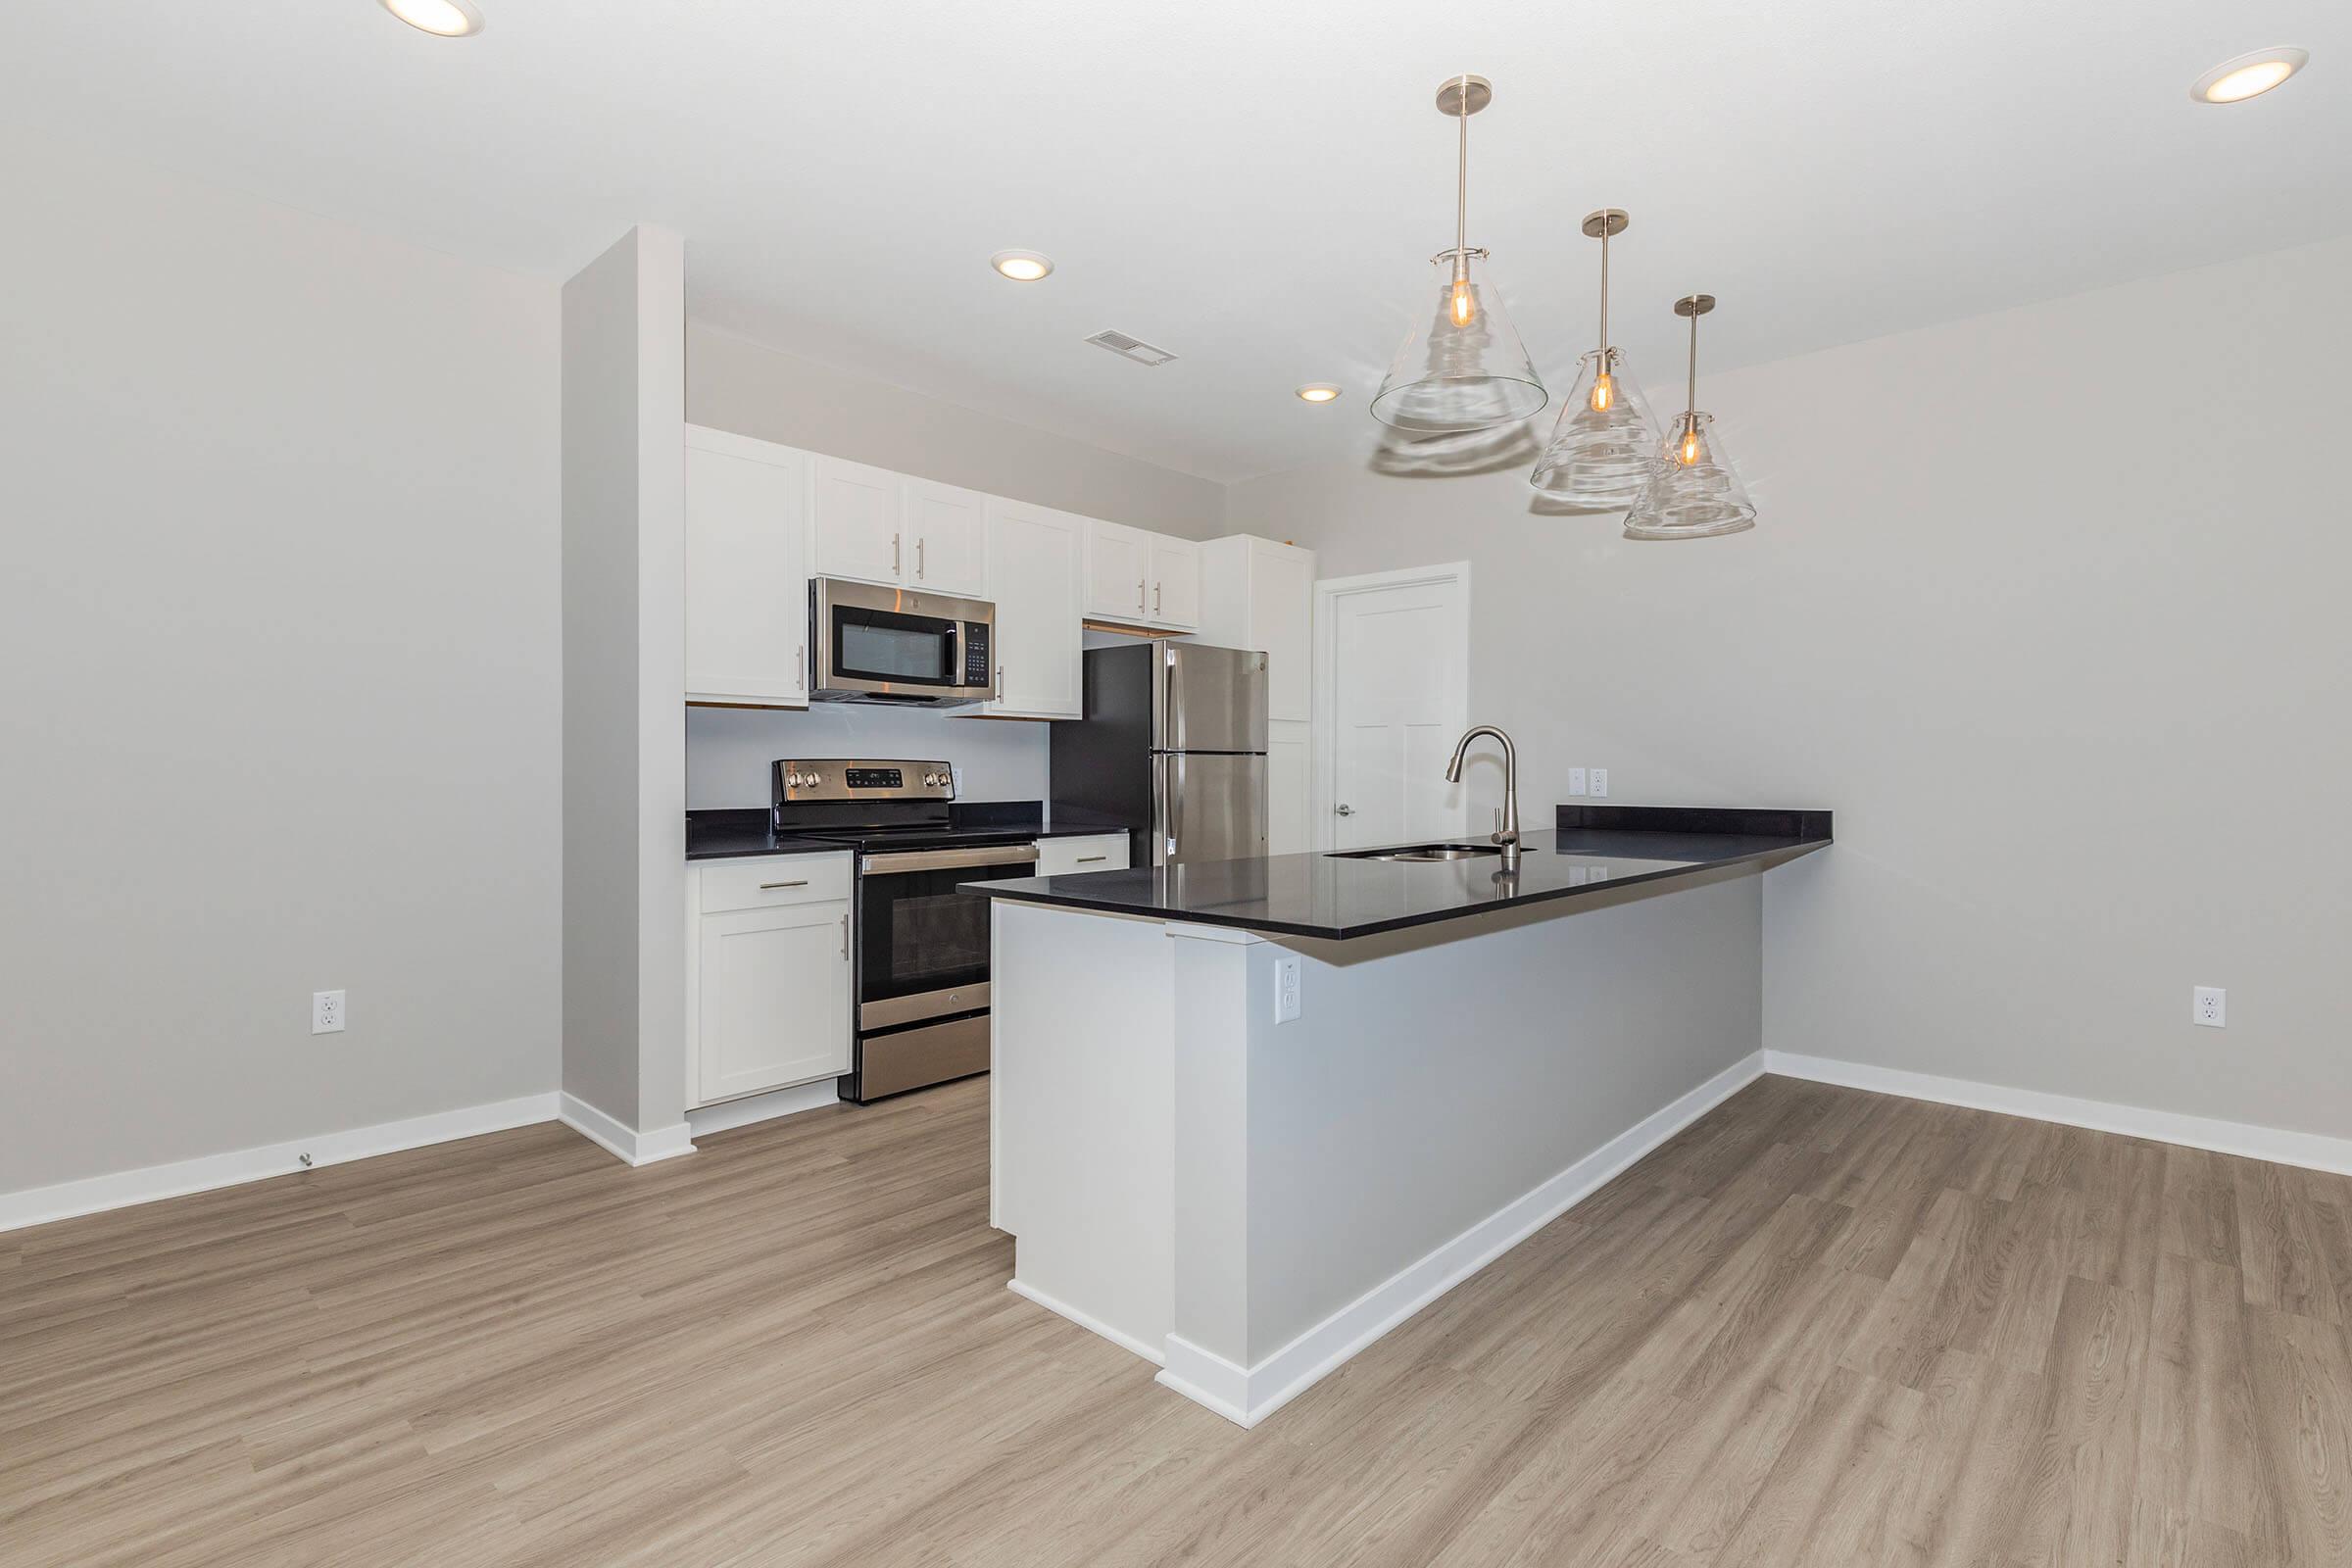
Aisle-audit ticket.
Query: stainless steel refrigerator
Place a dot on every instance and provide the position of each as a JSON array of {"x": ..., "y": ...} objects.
[{"x": 1172, "y": 748}]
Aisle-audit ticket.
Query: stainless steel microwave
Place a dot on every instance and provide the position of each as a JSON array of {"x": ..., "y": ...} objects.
[{"x": 870, "y": 643}]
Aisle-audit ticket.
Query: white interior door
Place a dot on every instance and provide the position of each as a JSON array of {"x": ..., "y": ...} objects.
[{"x": 1399, "y": 692}]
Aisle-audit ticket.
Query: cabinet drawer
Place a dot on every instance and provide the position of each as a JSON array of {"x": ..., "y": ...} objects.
[
  {"x": 1097, "y": 852},
  {"x": 779, "y": 879}
]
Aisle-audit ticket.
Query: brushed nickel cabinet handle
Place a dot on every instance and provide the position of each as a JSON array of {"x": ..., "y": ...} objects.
[
  {"x": 1089, "y": 859},
  {"x": 1139, "y": 596},
  {"x": 895, "y": 567},
  {"x": 770, "y": 887},
  {"x": 844, "y": 936},
  {"x": 1155, "y": 599},
  {"x": 920, "y": 542}
]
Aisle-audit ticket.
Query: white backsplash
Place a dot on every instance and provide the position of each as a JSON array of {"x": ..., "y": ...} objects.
[{"x": 729, "y": 750}]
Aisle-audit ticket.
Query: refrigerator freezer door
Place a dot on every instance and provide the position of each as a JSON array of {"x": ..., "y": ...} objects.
[
  {"x": 1208, "y": 699},
  {"x": 1208, "y": 806}
]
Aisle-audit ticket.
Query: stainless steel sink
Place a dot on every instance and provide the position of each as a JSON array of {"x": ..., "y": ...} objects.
[{"x": 1420, "y": 852}]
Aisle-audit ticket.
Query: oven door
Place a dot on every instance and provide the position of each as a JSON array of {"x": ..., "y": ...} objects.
[
  {"x": 922, "y": 941},
  {"x": 885, "y": 645}
]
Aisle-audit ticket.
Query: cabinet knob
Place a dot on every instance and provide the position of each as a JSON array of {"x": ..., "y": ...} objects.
[{"x": 1346, "y": 810}]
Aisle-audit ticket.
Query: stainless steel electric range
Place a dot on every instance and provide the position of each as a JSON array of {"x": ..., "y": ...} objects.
[{"x": 920, "y": 953}]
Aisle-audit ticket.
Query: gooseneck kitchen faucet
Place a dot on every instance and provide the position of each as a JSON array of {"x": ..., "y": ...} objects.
[{"x": 1507, "y": 824}]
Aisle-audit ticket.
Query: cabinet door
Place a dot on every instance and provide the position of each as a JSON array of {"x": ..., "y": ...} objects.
[
  {"x": 1290, "y": 753},
  {"x": 1034, "y": 557},
  {"x": 855, "y": 516},
  {"x": 946, "y": 547},
  {"x": 747, "y": 585},
  {"x": 1119, "y": 572},
  {"x": 1175, "y": 583},
  {"x": 773, "y": 998},
  {"x": 1282, "y": 608}
]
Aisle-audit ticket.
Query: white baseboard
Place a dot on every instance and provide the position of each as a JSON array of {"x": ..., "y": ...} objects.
[
  {"x": 1248, "y": 1394},
  {"x": 2315, "y": 1151},
  {"x": 1087, "y": 1321},
  {"x": 622, "y": 1141},
  {"x": 38, "y": 1205},
  {"x": 732, "y": 1114}
]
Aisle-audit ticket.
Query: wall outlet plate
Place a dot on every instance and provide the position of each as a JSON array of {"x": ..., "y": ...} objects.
[
  {"x": 1286, "y": 990},
  {"x": 2208, "y": 1007},
  {"x": 326, "y": 1013},
  {"x": 1597, "y": 779}
]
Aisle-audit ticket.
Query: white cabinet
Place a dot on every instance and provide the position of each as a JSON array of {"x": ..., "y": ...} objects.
[
  {"x": 1258, "y": 593},
  {"x": 1140, "y": 578},
  {"x": 878, "y": 526},
  {"x": 1090, "y": 851},
  {"x": 746, "y": 582},
  {"x": 946, "y": 539},
  {"x": 1290, "y": 756},
  {"x": 767, "y": 982},
  {"x": 1035, "y": 560},
  {"x": 1119, "y": 572},
  {"x": 857, "y": 517},
  {"x": 1175, "y": 583}
]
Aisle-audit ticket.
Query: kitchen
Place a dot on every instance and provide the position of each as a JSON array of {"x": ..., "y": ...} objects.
[{"x": 1682, "y": 1016}]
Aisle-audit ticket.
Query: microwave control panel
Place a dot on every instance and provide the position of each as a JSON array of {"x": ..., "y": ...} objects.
[{"x": 976, "y": 653}]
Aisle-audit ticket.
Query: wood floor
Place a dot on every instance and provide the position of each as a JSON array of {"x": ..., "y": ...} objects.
[{"x": 1821, "y": 1327}]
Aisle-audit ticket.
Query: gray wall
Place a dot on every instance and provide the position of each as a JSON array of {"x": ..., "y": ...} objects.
[
  {"x": 279, "y": 701},
  {"x": 624, "y": 785},
  {"x": 738, "y": 385},
  {"x": 2047, "y": 604}
]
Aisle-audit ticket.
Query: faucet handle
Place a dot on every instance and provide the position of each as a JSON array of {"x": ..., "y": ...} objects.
[{"x": 1496, "y": 836}]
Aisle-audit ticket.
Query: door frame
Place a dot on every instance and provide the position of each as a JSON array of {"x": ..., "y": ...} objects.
[{"x": 1325, "y": 734}]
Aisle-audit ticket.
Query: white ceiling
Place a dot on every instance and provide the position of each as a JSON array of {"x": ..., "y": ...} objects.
[{"x": 1255, "y": 187}]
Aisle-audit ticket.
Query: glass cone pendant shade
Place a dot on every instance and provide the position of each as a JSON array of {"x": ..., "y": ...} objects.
[
  {"x": 1606, "y": 445},
  {"x": 1694, "y": 493},
  {"x": 1462, "y": 366}
]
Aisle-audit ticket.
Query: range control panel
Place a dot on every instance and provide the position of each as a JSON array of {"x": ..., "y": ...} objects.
[{"x": 862, "y": 779}]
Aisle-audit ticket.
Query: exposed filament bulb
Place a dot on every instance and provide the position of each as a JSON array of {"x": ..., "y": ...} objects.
[
  {"x": 1689, "y": 452},
  {"x": 1462, "y": 305},
  {"x": 1604, "y": 392}
]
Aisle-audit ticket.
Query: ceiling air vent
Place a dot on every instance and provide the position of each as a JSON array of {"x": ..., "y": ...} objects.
[{"x": 1131, "y": 348}]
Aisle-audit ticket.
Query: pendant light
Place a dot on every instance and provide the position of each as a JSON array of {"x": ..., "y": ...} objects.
[
  {"x": 1465, "y": 369},
  {"x": 1695, "y": 494},
  {"x": 1605, "y": 444}
]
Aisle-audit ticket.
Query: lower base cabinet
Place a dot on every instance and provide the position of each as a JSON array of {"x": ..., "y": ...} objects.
[
  {"x": 1093, "y": 852},
  {"x": 767, "y": 985}
]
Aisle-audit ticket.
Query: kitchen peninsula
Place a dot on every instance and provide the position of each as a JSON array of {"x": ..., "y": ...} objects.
[{"x": 1248, "y": 1114}]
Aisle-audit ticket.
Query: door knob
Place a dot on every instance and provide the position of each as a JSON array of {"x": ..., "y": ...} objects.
[{"x": 1346, "y": 811}]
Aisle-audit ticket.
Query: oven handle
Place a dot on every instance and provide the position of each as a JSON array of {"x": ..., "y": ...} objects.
[{"x": 947, "y": 860}]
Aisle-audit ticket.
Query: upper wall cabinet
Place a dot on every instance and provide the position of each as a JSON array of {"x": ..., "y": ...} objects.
[
  {"x": 1035, "y": 560},
  {"x": 746, "y": 582},
  {"x": 1140, "y": 578},
  {"x": 1258, "y": 593},
  {"x": 878, "y": 526}
]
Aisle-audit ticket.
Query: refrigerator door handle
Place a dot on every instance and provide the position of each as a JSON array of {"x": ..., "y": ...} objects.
[{"x": 1174, "y": 738}]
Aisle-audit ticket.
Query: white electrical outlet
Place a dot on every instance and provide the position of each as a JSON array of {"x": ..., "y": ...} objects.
[
  {"x": 2209, "y": 1006},
  {"x": 1598, "y": 780},
  {"x": 1286, "y": 990},
  {"x": 1576, "y": 781},
  {"x": 326, "y": 1013}
]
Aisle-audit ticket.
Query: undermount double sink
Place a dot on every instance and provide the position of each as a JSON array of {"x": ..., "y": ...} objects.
[{"x": 1422, "y": 854}]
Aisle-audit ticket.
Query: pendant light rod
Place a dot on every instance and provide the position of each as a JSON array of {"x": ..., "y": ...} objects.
[
  {"x": 1600, "y": 226},
  {"x": 1462, "y": 179},
  {"x": 1692, "y": 307}
]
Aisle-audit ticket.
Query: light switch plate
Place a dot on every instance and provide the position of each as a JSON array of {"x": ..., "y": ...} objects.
[{"x": 1576, "y": 781}]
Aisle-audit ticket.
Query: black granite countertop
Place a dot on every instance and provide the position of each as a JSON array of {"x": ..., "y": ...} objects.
[
  {"x": 1594, "y": 849},
  {"x": 735, "y": 834}
]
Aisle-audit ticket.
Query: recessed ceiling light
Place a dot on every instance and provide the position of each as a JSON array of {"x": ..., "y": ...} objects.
[
  {"x": 1022, "y": 267},
  {"x": 2244, "y": 76},
  {"x": 443, "y": 19},
  {"x": 1317, "y": 392}
]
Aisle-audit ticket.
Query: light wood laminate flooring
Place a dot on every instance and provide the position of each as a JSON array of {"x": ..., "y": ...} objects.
[{"x": 1820, "y": 1327}]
